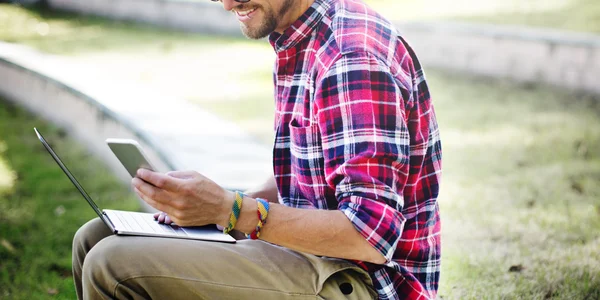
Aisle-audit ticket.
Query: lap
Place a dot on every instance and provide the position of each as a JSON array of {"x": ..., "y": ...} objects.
[{"x": 249, "y": 266}]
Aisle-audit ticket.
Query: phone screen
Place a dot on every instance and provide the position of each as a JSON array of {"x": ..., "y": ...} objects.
[{"x": 130, "y": 156}]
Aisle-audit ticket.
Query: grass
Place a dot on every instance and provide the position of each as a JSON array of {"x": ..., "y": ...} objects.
[
  {"x": 574, "y": 15},
  {"x": 520, "y": 193},
  {"x": 40, "y": 210},
  {"x": 520, "y": 190}
]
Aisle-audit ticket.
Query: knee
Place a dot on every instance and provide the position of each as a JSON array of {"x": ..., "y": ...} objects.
[
  {"x": 106, "y": 252},
  {"x": 101, "y": 271},
  {"x": 117, "y": 257},
  {"x": 89, "y": 234}
]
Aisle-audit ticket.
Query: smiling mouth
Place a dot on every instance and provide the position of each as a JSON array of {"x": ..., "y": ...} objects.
[{"x": 245, "y": 13}]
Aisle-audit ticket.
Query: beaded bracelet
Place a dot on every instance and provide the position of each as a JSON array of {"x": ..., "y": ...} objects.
[
  {"x": 262, "y": 212},
  {"x": 235, "y": 212}
]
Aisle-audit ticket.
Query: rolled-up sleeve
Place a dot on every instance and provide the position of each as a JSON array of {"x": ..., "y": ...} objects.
[{"x": 360, "y": 114}]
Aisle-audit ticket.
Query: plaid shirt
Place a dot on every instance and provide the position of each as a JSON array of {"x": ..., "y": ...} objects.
[{"x": 356, "y": 131}]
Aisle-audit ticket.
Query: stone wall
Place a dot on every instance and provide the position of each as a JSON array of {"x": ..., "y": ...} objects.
[{"x": 200, "y": 16}]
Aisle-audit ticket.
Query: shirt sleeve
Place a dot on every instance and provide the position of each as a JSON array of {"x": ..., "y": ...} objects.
[{"x": 365, "y": 139}]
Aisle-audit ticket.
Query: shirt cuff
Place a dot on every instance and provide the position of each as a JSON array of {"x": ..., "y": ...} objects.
[{"x": 380, "y": 224}]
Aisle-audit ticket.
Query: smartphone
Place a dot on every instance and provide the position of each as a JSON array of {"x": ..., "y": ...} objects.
[{"x": 130, "y": 154}]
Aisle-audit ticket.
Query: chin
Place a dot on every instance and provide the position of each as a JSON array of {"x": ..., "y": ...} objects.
[{"x": 255, "y": 33}]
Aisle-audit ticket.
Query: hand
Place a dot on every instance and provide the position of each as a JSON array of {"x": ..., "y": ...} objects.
[{"x": 186, "y": 197}]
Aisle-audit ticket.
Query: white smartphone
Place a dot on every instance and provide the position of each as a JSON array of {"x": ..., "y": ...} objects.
[{"x": 130, "y": 154}]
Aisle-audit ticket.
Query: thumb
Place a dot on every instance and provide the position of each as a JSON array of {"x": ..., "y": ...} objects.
[{"x": 182, "y": 174}]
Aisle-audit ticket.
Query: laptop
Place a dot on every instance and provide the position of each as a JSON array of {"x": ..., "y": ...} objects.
[{"x": 136, "y": 223}]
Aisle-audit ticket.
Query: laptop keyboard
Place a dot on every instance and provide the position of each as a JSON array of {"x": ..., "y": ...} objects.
[{"x": 140, "y": 222}]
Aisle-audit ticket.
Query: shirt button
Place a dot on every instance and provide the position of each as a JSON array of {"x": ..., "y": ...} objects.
[{"x": 346, "y": 288}]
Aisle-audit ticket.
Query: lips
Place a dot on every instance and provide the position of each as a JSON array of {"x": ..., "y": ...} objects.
[{"x": 245, "y": 15}]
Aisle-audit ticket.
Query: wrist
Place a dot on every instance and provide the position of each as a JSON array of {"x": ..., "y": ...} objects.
[
  {"x": 225, "y": 209},
  {"x": 247, "y": 221},
  {"x": 262, "y": 214}
]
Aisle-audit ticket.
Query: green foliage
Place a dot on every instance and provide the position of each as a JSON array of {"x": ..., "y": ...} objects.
[{"x": 41, "y": 210}]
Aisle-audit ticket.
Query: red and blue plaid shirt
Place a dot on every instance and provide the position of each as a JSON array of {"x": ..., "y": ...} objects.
[{"x": 356, "y": 131}]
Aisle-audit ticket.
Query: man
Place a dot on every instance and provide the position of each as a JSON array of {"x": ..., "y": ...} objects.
[{"x": 353, "y": 208}]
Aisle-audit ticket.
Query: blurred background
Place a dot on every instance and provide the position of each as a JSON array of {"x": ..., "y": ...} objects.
[{"x": 515, "y": 85}]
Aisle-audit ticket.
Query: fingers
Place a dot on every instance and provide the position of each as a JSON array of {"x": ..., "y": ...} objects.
[
  {"x": 158, "y": 205},
  {"x": 161, "y": 217},
  {"x": 182, "y": 174},
  {"x": 151, "y": 191},
  {"x": 159, "y": 180}
]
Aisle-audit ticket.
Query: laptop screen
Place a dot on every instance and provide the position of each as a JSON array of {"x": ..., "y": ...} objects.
[{"x": 71, "y": 177}]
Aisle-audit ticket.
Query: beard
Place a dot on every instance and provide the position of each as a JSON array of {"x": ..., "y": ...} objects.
[{"x": 269, "y": 22}]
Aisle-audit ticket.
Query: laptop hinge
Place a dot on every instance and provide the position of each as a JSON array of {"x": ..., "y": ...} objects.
[{"x": 109, "y": 223}]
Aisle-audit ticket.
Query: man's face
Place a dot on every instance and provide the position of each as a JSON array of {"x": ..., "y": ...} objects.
[{"x": 259, "y": 18}]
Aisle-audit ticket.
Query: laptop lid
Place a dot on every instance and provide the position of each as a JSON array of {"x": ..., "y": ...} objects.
[{"x": 68, "y": 173}]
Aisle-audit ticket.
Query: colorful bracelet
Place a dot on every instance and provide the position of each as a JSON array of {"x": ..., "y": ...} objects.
[
  {"x": 235, "y": 212},
  {"x": 262, "y": 212}
]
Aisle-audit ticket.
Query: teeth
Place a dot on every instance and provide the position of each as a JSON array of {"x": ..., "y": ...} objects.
[{"x": 245, "y": 13}]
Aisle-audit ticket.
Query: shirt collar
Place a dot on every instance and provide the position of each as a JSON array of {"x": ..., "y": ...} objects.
[{"x": 301, "y": 28}]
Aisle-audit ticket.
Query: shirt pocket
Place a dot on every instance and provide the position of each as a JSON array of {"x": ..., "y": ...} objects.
[{"x": 307, "y": 163}]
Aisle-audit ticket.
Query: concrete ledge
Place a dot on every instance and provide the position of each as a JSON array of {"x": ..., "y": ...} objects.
[
  {"x": 199, "y": 16},
  {"x": 513, "y": 32},
  {"x": 565, "y": 59},
  {"x": 83, "y": 117},
  {"x": 177, "y": 135}
]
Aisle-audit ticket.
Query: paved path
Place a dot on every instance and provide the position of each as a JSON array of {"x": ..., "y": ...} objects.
[{"x": 186, "y": 136}]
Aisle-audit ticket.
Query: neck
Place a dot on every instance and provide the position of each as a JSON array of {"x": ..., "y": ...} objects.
[{"x": 293, "y": 14}]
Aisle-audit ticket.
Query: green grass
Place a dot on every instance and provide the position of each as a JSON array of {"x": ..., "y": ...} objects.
[
  {"x": 40, "y": 210},
  {"x": 575, "y": 15},
  {"x": 520, "y": 187}
]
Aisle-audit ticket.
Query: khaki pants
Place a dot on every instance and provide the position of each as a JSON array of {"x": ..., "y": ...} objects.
[{"x": 106, "y": 266}]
